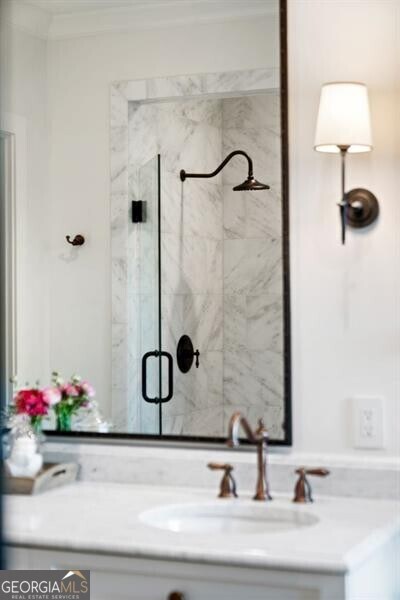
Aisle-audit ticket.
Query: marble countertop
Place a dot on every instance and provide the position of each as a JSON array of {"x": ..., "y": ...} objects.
[{"x": 104, "y": 518}]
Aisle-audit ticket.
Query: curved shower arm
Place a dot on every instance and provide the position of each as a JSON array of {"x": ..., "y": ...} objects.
[{"x": 184, "y": 175}]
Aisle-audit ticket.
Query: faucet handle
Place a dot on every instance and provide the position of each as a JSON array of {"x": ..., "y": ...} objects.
[
  {"x": 228, "y": 484},
  {"x": 302, "y": 490},
  {"x": 318, "y": 471}
]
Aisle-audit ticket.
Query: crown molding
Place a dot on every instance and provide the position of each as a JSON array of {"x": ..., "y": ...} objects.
[
  {"x": 28, "y": 18},
  {"x": 150, "y": 15}
]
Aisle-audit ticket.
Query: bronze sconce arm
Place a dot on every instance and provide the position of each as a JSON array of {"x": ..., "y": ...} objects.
[{"x": 359, "y": 207}]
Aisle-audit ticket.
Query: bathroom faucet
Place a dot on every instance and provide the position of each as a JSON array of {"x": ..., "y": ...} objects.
[{"x": 259, "y": 437}]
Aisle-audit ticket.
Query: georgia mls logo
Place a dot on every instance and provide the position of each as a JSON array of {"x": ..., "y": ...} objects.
[
  {"x": 45, "y": 585},
  {"x": 78, "y": 573}
]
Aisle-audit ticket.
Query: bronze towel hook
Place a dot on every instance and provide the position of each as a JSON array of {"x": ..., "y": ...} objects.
[{"x": 78, "y": 240}]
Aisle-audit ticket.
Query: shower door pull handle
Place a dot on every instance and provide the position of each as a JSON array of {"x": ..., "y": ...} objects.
[
  {"x": 170, "y": 377},
  {"x": 145, "y": 358}
]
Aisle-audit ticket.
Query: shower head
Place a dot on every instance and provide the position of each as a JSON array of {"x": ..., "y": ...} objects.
[{"x": 250, "y": 184}]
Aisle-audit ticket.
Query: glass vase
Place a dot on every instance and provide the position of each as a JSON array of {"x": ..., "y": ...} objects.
[
  {"x": 36, "y": 424},
  {"x": 24, "y": 427},
  {"x": 64, "y": 419}
]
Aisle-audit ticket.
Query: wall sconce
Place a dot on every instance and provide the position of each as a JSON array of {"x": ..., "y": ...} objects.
[{"x": 343, "y": 126}]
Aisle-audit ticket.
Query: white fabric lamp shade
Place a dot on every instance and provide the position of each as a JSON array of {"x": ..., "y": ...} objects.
[{"x": 343, "y": 118}]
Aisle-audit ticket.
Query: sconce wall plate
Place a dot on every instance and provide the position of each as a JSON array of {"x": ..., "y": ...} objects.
[{"x": 362, "y": 208}]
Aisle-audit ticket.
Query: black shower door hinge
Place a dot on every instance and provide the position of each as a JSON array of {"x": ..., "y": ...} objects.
[{"x": 138, "y": 211}]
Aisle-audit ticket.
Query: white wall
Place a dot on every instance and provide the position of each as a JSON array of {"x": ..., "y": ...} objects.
[
  {"x": 24, "y": 113},
  {"x": 346, "y": 325}
]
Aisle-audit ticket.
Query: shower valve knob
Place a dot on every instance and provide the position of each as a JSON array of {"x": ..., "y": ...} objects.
[{"x": 186, "y": 354}]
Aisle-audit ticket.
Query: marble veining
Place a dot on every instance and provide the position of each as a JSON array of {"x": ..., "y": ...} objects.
[
  {"x": 252, "y": 266},
  {"x": 236, "y": 81},
  {"x": 351, "y": 475},
  {"x": 361, "y": 527},
  {"x": 119, "y": 159},
  {"x": 193, "y": 85},
  {"x": 221, "y": 250},
  {"x": 165, "y": 87}
]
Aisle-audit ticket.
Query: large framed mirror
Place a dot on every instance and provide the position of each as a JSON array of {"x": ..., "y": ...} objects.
[{"x": 155, "y": 246}]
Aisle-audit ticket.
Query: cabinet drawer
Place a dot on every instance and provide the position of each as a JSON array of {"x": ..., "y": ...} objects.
[{"x": 122, "y": 578}]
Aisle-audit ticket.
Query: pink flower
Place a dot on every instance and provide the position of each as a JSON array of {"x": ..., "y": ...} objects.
[
  {"x": 87, "y": 389},
  {"x": 70, "y": 390},
  {"x": 52, "y": 395}
]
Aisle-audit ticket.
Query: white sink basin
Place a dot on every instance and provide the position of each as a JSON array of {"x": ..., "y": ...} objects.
[{"x": 226, "y": 517}]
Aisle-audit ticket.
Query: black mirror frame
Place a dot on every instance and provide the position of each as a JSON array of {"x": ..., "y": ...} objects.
[{"x": 287, "y": 424}]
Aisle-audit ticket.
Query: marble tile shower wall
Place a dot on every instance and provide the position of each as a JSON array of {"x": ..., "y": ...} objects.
[
  {"x": 217, "y": 247},
  {"x": 253, "y": 295},
  {"x": 187, "y": 134},
  {"x": 134, "y": 274},
  {"x": 192, "y": 266}
]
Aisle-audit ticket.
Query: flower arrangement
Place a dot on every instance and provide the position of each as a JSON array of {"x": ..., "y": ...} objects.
[
  {"x": 64, "y": 398},
  {"x": 35, "y": 404},
  {"x": 74, "y": 394}
]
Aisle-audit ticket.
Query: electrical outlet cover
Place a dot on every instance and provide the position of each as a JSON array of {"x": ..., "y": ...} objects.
[{"x": 368, "y": 422}]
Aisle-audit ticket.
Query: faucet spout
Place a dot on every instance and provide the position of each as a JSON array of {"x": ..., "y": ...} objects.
[
  {"x": 237, "y": 420},
  {"x": 259, "y": 437}
]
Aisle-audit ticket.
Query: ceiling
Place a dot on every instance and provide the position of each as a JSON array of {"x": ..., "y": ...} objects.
[
  {"x": 68, "y": 7},
  {"x": 57, "y": 19},
  {"x": 63, "y": 7}
]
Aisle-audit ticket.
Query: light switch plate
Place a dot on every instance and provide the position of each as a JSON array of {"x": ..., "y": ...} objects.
[{"x": 368, "y": 422}]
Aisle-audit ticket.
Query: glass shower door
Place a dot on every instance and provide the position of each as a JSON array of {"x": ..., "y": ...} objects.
[
  {"x": 146, "y": 328},
  {"x": 149, "y": 303}
]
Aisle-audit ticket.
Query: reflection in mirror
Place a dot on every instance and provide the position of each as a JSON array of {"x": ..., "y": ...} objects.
[
  {"x": 8, "y": 238},
  {"x": 175, "y": 307}
]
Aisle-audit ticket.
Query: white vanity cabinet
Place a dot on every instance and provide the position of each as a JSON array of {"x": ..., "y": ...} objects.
[
  {"x": 122, "y": 578},
  {"x": 350, "y": 552},
  {"x": 125, "y": 578}
]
